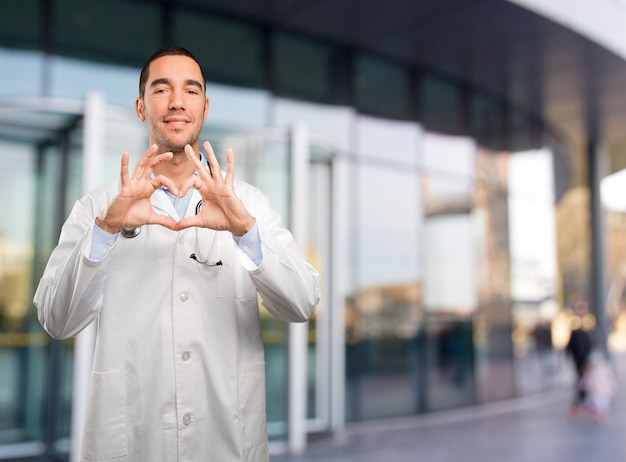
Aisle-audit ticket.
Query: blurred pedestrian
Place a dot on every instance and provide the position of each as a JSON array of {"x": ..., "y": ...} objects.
[{"x": 579, "y": 348}]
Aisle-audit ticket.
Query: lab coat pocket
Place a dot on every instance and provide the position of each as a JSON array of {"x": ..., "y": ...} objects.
[
  {"x": 252, "y": 419},
  {"x": 105, "y": 421},
  {"x": 234, "y": 282}
]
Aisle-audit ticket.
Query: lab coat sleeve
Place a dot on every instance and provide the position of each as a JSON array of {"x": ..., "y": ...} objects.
[
  {"x": 287, "y": 283},
  {"x": 69, "y": 294}
]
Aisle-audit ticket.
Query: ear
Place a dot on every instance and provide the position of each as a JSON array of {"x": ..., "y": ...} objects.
[
  {"x": 140, "y": 109},
  {"x": 207, "y": 105}
]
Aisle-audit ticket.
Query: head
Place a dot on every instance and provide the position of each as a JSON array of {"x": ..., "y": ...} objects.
[
  {"x": 172, "y": 99},
  {"x": 165, "y": 51}
]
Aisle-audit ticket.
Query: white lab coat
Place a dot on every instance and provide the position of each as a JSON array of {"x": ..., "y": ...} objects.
[{"x": 178, "y": 371}]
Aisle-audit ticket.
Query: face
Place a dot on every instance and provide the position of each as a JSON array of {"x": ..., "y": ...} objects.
[{"x": 174, "y": 104}]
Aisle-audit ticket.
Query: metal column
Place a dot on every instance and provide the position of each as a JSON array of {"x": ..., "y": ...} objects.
[{"x": 598, "y": 286}]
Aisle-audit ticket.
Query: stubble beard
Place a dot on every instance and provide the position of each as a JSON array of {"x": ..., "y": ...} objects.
[{"x": 167, "y": 144}]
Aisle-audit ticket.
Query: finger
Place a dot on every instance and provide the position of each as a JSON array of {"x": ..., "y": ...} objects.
[
  {"x": 148, "y": 154},
  {"x": 157, "y": 219},
  {"x": 192, "y": 181},
  {"x": 230, "y": 167},
  {"x": 192, "y": 155},
  {"x": 214, "y": 165},
  {"x": 160, "y": 158},
  {"x": 144, "y": 162},
  {"x": 124, "y": 176},
  {"x": 188, "y": 222},
  {"x": 161, "y": 180}
]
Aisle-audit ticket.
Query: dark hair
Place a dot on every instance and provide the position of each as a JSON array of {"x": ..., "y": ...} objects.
[{"x": 165, "y": 51}]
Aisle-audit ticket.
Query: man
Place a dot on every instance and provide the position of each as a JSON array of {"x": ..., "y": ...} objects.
[{"x": 169, "y": 261}]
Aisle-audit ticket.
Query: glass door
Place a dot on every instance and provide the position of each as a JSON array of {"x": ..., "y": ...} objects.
[{"x": 35, "y": 372}]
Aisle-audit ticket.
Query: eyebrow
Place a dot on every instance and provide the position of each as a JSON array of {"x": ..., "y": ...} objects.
[{"x": 166, "y": 81}]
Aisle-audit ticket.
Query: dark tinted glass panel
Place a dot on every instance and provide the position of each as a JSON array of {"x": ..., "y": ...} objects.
[
  {"x": 524, "y": 134},
  {"x": 111, "y": 30},
  {"x": 382, "y": 88},
  {"x": 486, "y": 121},
  {"x": 441, "y": 108},
  {"x": 229, "y": 51},
  {"x": 20, "y": 24},
  {"x": 302, "y": 68}
]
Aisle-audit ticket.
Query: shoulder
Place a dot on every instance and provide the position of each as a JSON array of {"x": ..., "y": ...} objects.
[{"x": 99, "y": 197}]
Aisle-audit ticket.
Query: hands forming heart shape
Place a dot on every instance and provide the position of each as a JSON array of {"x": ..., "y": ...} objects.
[{"x": 221, "y": 209}]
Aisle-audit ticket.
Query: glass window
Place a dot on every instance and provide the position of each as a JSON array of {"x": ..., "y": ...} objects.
[
  {"x": 534, "y": 281},
  {"x": 19, "y": 411},
  {"x": 382, "y": 88},
  {"x": 21, "y": 73},
  {"x": 20, "y": 24},
  {"x": 112, "y": 30},
  {"x": 302, "y": 68},
  {"x": 441, "y": 106},
  {"x": 449, "y": 155},
  {"x": 494, "y": 370},
  {"x": 383, "y": 315},
  {"x": 388, "y": 140},
  {"x": 70, "y": 78},
  {"x": 228, "y": 50},
  {"x": 452, "y": 260},
  {"x": 486, "y": 121},
  {"x": 335, "y": 124}
]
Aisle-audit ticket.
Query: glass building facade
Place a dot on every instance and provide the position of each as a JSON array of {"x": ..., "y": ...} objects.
[{"x": 432, "y": 210}]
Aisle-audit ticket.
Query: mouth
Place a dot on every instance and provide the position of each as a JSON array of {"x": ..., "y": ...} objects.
[{"x": 176, "y": 122}]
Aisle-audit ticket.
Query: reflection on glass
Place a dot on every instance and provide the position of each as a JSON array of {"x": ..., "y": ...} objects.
[
  {"x": 451, "y": 253},
  {"x": 534, "y": 281},
  {"x": 383, "y": 315},
  {"x": 492, "y": 321}
]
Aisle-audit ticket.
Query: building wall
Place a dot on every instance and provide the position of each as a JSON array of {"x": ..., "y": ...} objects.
[{"x": 447, "y": 248}]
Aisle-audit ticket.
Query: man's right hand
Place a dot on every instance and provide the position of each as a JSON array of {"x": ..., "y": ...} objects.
[{"x": 132, "y": 207}]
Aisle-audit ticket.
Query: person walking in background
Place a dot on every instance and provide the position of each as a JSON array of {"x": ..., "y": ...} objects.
[
  {"x": 168, "y": 261},
  {"x": 579, "y": 348}
]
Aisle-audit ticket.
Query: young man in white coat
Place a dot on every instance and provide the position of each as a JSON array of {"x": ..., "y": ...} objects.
[{"x": 168, "y": 261}]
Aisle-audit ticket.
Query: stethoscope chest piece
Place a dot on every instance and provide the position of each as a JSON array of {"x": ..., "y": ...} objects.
[{"x": 131, "y": 232}]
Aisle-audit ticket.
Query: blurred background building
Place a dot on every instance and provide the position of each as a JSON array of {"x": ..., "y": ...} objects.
[{"x": 441, "y": 162}]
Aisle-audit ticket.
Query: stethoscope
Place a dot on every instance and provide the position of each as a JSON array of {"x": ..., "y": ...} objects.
[
  {"x": 199, "y": 257},
  {"x": 131, "y": 233}
]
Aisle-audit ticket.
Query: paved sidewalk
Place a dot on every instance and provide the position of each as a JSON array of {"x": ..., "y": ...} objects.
[{"x": 529, "y": 429}]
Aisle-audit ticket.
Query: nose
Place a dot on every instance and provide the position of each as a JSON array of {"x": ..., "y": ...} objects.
[{"x": 177, "y": 100}]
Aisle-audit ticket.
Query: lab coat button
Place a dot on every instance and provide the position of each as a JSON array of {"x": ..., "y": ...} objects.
[
  {"x": 183, "y": 296},
  {"x": 185, "y": 356},
  {"x": 187, "y": 419}
]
